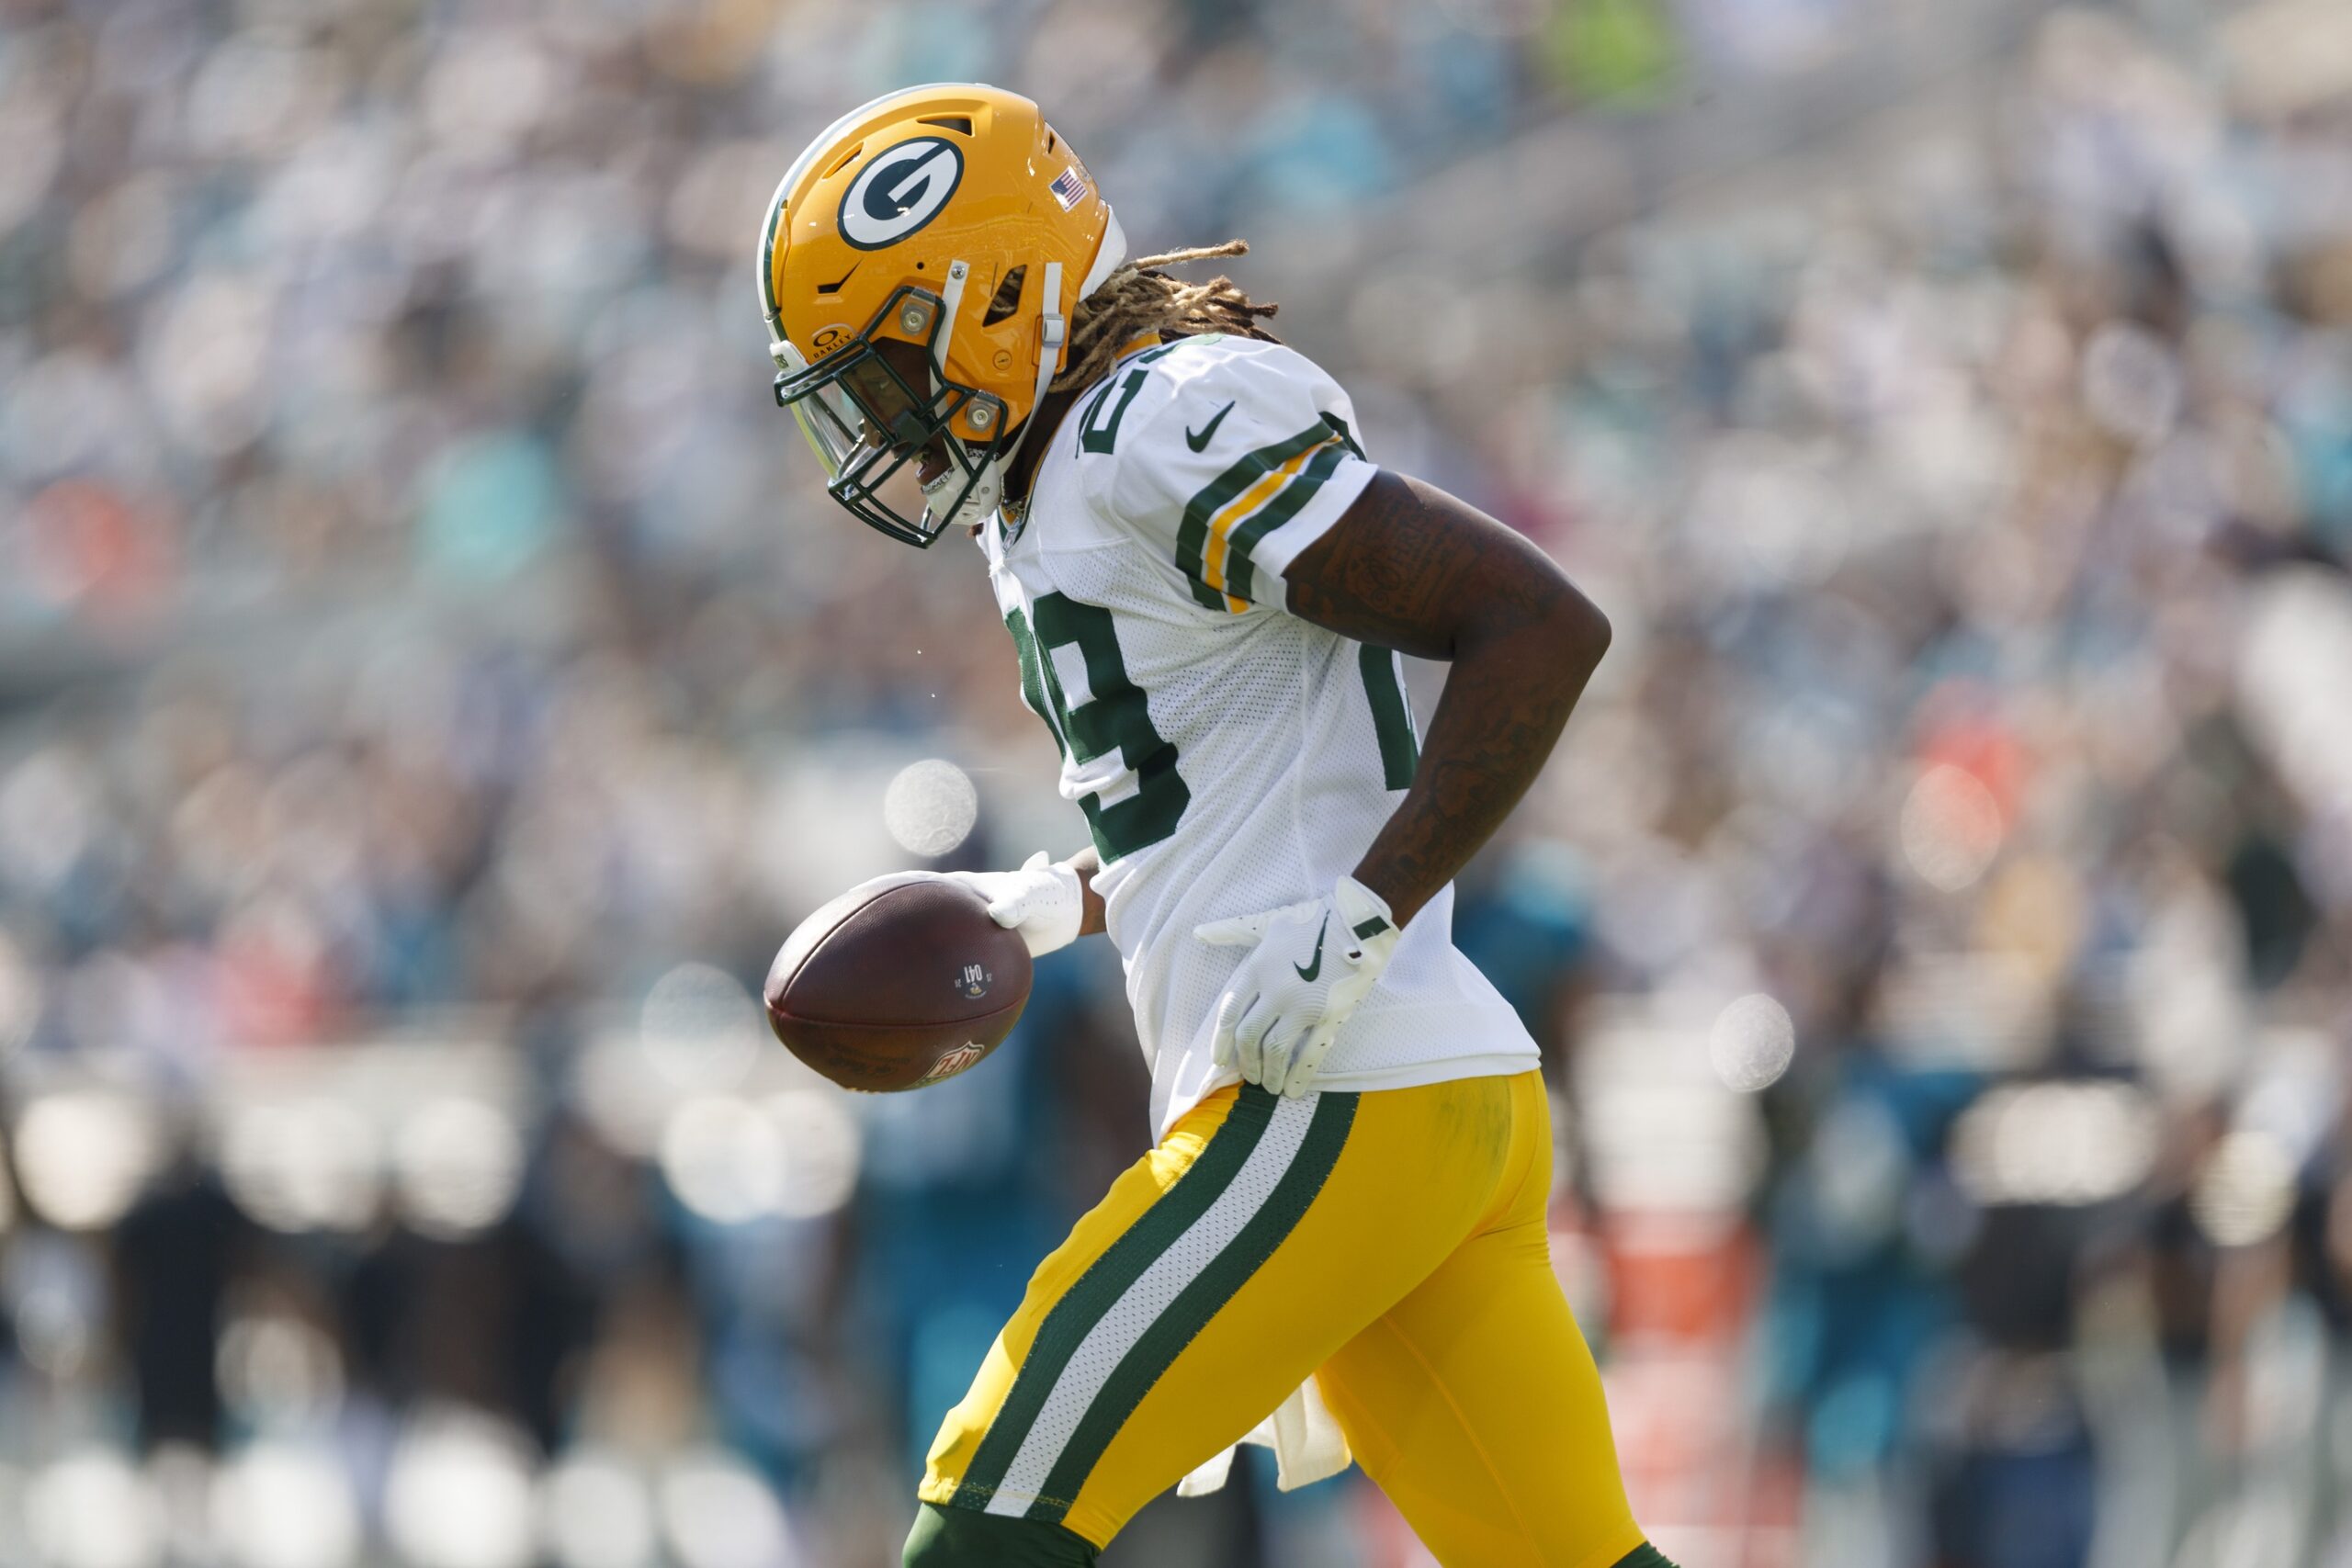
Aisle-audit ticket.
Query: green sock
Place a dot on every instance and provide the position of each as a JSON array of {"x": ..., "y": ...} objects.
[
  {"x": 966, "y": 1538},
  {"x": 1644, "y": 1556}
]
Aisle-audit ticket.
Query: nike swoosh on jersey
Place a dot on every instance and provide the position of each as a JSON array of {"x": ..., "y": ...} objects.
[
  {"x": 1200, "y": 441},
  {"x": 1307, "y": 972}
]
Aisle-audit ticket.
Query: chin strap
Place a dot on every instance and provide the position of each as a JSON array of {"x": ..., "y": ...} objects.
[
  {"x": 1053, "y": 330},
  {"x": 951, "y": 301}
]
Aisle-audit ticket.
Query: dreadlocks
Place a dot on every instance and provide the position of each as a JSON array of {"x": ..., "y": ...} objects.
[{"x": 1139, "y": 299}]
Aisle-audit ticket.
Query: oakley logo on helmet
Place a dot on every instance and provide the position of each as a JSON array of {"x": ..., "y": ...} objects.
[{"x": 899, "y": 192}]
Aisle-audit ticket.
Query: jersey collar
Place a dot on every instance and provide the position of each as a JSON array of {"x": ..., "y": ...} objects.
[{"x": 1012, "y": 516}]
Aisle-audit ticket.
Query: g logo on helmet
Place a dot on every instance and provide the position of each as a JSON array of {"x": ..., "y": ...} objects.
[{"x": 900, "y": 191}]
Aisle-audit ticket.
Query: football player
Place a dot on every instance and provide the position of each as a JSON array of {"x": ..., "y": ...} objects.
[{"x": 1208, "y": 584}]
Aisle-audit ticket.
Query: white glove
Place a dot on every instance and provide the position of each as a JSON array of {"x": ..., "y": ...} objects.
[
  {"x": 1045, "y": 902},
  {"x": 1309, "y": 965}
]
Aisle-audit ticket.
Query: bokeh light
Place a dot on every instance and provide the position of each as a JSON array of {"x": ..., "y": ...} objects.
[
  {"x": 724, "y": 1159},
  {"x": 90, "y": 1509},
  {"x": 701, "y": 1027},
  {"x": 1752, "y": 1043},
  {"x": 277, "y": 1371},
  {"x": 285, "y": 1505},
  {"x": 1951, "y": 828},
  {"x": 820, "y": 1143},
  {"x": 180, "y": 1476},
  {"x": 83, "y": 1155},
  {"x": 1662, "y": 1135},
  {"x": 717, "y": 1513},
  {"x": 596, "y": 1511},
  {"x": 300, "y": 1167},
  {"x": 456, "y": 1166},
  {"x": 930, "y": 807},
  {"x": 458, "y": 1495},
  {"x": 2244, "y": 1191},
  {"x": 2063, "y": 1144}
]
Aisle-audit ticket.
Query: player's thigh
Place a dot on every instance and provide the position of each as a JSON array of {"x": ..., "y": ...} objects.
[
  {"x": 1092, "y": 1242},
  {"x": 1475, "y": 1404},
  {"x": 1294, "y": 1224}
]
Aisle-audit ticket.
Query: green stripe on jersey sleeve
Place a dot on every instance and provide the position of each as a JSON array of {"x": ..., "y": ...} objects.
[
  {"x": 1239, "y": 572},
  {"x": 1192, "y": 534}
]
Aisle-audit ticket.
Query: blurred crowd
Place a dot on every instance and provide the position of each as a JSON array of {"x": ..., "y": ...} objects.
[{"x": 431, "y": 682}]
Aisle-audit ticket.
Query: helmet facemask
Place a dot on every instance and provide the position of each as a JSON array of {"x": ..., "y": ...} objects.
[{"x": 865, "y": 422}]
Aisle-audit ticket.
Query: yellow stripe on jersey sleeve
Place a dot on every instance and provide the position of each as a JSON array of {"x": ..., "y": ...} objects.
[{"x": 1242, "y": 507}]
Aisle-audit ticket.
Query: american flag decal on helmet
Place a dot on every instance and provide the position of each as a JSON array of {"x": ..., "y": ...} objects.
[{"x": 1070, "y": 187}]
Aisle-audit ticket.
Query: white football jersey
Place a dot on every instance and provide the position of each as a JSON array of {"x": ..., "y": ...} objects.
[{"x": 1229, "y": 757}]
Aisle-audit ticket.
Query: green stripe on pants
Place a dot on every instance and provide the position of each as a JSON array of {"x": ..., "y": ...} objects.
[
  {"x": 1199, "y": 1302},
  {"x": 1105, "y": 1281}
]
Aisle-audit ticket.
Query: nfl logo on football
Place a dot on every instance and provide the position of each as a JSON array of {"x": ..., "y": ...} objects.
[{"x": 956, "y": 1061}]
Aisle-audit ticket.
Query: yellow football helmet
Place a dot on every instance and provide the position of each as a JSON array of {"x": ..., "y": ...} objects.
[{"x": 906, "y": 221}]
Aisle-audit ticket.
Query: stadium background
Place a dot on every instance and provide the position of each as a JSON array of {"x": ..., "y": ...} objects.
[{"x": 431, "y": 682}]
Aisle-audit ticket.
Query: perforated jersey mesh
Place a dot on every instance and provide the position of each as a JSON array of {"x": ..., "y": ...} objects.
[{"x": 1271, "y": 717}]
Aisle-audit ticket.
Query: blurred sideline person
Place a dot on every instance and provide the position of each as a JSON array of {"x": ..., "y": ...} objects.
[{"x": 1338, "y": 1243}]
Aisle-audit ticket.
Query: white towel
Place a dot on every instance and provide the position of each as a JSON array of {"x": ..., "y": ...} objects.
[{"x": 1308, "y": 1446}]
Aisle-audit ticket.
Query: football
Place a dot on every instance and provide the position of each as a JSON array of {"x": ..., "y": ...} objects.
[{"x": 898, "y": 983}]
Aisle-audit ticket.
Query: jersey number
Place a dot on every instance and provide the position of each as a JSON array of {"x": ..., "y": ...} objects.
[
  {"x": 1103, "y": 436},
  {"x": 1115, "y": 715}
]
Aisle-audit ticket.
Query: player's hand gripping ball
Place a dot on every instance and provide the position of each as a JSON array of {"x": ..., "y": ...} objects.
[
  {"x": 1043, "y": 901},
  {"x": 1309, "y": 965},
  {"x": 898, "y": 983}
]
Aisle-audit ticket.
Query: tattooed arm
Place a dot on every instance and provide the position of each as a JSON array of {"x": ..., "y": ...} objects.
[{"x": 1411, "y": 567}]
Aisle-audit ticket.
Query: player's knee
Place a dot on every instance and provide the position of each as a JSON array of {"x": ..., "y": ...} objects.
[{"x": 966, "y": 1538}]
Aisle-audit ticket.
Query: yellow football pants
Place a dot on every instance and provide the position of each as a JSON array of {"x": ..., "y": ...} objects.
[{"x": 1391, "y": 1244}]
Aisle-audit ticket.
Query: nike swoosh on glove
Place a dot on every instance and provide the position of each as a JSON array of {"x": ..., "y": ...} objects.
[
  {"x": 1045, "y": 902},
  {"x": 1308, "y": 967}
]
